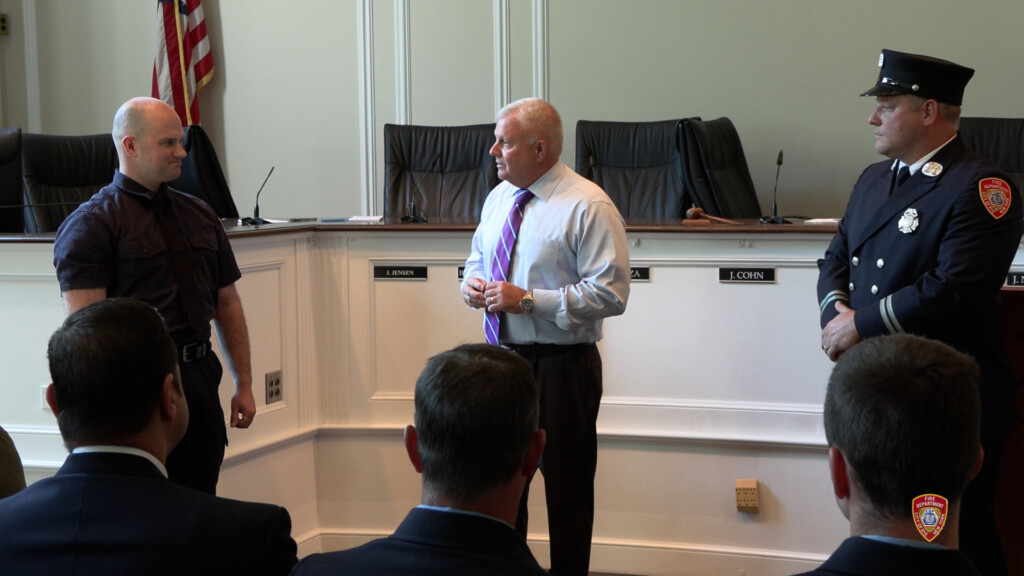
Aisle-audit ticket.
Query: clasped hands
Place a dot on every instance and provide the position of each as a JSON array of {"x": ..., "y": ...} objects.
[
  {"x": 492, "y": 296},
  {"x": 840, "y": 334}
]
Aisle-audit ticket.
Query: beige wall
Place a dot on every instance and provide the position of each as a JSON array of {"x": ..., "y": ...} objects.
[{"x": 307, "y": 87}]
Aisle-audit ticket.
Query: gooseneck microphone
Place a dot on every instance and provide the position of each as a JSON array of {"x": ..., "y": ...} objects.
[
  {"x": 775, "y": 218},
  {"x": 256, "y": 209},
  {"x": 412, "y": 217}
]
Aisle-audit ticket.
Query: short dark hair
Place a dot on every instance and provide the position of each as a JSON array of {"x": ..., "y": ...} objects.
[
  {"x": 108, "y": 362},
  {"x": 476, "y": 413},
  {"x": 906, "y": 414}
]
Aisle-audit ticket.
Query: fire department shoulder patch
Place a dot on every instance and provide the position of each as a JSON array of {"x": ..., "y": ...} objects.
[
  {"x": 995, "y": 195},
  {"x": 930, "y": 515}
]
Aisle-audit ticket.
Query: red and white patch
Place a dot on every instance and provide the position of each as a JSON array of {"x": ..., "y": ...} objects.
[
  {"x": 930, "y": 515},
  {"x": 995, "y": 195}
]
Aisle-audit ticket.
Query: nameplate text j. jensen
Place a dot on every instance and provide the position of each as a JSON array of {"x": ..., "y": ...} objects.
[
  {"x": 747, "y": 275},
  {"x": 399, "y": 272}
]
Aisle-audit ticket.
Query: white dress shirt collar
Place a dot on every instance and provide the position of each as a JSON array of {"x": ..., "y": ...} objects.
[{"x": 122, "y": 450}]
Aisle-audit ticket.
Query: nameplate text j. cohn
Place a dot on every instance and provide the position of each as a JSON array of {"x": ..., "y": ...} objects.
[{"x": 747, "y": 275}]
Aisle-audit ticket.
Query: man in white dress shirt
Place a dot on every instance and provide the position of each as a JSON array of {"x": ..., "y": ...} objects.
[{"x": 569, "y": 270}]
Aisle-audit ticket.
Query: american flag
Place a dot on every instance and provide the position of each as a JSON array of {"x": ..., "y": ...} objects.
[{"x": 184, "y": 63}]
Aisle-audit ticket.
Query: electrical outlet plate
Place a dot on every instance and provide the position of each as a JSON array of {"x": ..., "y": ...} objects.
[
  {"x": 4, "y": 26},
  {"x": 747, "y": 499},
  {"x": 274, "y": 393}
]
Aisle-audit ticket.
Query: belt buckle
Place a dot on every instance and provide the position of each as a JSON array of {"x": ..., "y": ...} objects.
[{"x": 192, "y": 352}]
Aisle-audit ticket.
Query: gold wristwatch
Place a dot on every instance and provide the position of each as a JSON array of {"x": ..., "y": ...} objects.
[{"x": 526, "y": 304}]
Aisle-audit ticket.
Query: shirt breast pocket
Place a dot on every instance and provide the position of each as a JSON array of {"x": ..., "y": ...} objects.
[
  {"x": 203, "y": 239},
  {"x": 140, "y": 248},
  {"x": 205, "y": 248},
  {"x": 539, "y": 259},
  {"x": 142, "y": 262}
]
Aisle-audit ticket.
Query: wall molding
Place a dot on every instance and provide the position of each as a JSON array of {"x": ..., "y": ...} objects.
[
  {"x": 625, "y": 556},
  {"x": 33, "y": 93},
  {"x": 308, "y": 368},
  {"x": 541, "y": 50},
  {"x": 651, "y": 420},
  {"x": 403, "y": 63},
  {"x": 718, "y": 261},
  {"x": 804, "y": 436},
  {"x": 48, "y": 439},
  {"x": 330, "y": 290},
  {"x": 502, "y": 56},
  {"x": 367, "y": 108}
]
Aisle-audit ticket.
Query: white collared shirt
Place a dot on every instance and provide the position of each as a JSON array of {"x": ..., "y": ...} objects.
[
  {"x": 904, "y": 542},
  {"x": 571, "y": 251},
  {"x": 897, "y": 164},
  {"x": 451, "y": 510},
  {"x": 122, "y": 450}
]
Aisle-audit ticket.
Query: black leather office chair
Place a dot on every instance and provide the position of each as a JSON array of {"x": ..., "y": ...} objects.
[
  {"x": 638, "y": 164},
  {"x": 1001, "y": 140},
  {"x": 446, "y": 171},
  {"x": 61, "y": 172},
  {"x": 201, "y": 174},
  {"x": 11, "y": 219},
  {"x": 717, "y": 169}
]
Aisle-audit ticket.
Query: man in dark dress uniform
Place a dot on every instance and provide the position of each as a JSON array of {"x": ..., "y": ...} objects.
[{"x": 924, "y": 248}]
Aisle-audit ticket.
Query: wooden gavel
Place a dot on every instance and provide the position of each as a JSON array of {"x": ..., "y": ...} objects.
[{"x": 697, "y": 213}]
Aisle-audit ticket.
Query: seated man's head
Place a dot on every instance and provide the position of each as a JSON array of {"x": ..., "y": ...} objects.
[
  {"x": 476, "y": 430},
  {"x": 115, "y": 377},
  {"x": 902, "y": 419}
]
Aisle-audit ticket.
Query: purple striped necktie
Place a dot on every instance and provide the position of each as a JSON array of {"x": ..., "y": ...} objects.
[{"x": 502, "y": 257}]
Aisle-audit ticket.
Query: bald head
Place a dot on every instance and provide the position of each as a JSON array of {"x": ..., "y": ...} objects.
[
  {"x": 130, "y": 118},
  {"x": 147, "y": 134}
]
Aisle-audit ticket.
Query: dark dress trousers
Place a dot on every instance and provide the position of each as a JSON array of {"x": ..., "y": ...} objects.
[
  {"x": 859, "y": 556},
  {"x": 430, "y": 542},
  {"x": 113, "y": 514}
]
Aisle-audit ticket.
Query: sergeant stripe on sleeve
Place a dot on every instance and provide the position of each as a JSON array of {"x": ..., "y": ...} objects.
[
  {"x": 889, "y": 316},
  {"x": 833, "y": 296}
]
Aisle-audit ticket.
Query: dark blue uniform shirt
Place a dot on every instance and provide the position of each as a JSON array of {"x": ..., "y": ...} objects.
[{"x": 114, "y": 241}]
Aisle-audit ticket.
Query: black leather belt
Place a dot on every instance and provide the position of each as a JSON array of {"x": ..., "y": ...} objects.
[
  {"x": 544, "y": 350},
  {"x": 192, "y": 352}
]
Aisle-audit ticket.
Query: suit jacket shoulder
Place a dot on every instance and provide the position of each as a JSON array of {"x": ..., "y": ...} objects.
[
  {"x": 107, "y": 513},
  {"x": 858, "y": 556},
  {"x": 432, "y": 542}
]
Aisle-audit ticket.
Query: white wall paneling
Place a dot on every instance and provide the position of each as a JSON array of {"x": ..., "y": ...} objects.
[{"x": 704, "y": 383}]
